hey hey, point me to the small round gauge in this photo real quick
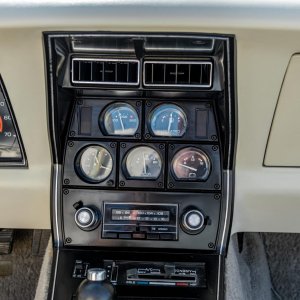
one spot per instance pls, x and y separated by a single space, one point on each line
168 120
191 164
95 164
120 119
143 162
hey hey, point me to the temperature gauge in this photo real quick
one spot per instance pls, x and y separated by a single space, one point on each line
191 164
168 120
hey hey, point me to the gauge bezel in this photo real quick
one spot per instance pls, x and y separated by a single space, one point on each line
79 170
71 176
213 182
101 119
125 181
152 115
195 149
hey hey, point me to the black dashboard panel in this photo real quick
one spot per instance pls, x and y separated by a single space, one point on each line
143 139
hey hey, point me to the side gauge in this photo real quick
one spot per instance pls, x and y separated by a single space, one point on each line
119 119
191 164
143 162
168 120
94 164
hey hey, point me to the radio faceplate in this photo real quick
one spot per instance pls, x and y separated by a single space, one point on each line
129 233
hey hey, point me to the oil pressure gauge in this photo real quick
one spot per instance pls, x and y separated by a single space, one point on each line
191 164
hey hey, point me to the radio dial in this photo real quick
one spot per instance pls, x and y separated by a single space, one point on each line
87 218
193 221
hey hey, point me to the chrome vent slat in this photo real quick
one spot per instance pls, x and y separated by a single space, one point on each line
97 71
178 73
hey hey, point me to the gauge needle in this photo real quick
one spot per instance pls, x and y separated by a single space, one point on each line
170 121
190 168
144 163
121 120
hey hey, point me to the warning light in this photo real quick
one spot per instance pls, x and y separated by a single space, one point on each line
1 124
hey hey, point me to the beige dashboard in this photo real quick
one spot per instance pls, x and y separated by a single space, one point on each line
267 34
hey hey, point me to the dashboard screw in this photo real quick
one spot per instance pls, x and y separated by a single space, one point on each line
147 136
71 144
138 103
172 147
161 146
216 186
211 245
68 240
160 184
66 192
215 148
110 182
72 133
113 145
123 145
122 183
79 102
214 137
137 136
171 185
67 181
217 196
148 103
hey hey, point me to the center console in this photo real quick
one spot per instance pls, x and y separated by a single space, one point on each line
143 132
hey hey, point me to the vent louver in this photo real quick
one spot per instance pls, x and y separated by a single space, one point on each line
105 71
178 74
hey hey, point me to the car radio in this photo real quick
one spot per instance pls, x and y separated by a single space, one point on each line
139 221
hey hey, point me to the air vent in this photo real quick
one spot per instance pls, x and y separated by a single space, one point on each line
178 74
105 71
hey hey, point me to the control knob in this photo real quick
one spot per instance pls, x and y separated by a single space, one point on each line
192 221
87 218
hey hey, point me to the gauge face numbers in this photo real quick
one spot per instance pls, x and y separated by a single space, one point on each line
120 119
143 163
95 164
168 120
191 164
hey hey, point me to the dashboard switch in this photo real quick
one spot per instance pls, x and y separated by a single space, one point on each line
87 218
193 221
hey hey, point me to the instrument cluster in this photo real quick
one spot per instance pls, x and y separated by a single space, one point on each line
143 144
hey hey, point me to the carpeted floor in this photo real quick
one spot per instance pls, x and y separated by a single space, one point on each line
283 254
25 265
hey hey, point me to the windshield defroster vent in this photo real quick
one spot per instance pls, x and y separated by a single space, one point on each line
178 74
97 71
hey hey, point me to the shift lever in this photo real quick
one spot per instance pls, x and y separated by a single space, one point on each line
95 287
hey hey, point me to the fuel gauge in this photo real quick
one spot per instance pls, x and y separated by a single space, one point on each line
191 164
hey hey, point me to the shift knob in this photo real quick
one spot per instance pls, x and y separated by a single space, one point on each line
95 287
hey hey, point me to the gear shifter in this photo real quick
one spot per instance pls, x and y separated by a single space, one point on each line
95 287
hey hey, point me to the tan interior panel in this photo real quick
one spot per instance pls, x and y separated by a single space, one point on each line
284 142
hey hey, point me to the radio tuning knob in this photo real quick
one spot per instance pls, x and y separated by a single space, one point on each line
87 218
192 221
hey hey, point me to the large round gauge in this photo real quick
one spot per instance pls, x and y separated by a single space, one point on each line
168 120
95 164
143 162
191 164
119 119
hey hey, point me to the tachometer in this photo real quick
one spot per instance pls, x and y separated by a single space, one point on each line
191 164
95 164
168 120
143 162
120 119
